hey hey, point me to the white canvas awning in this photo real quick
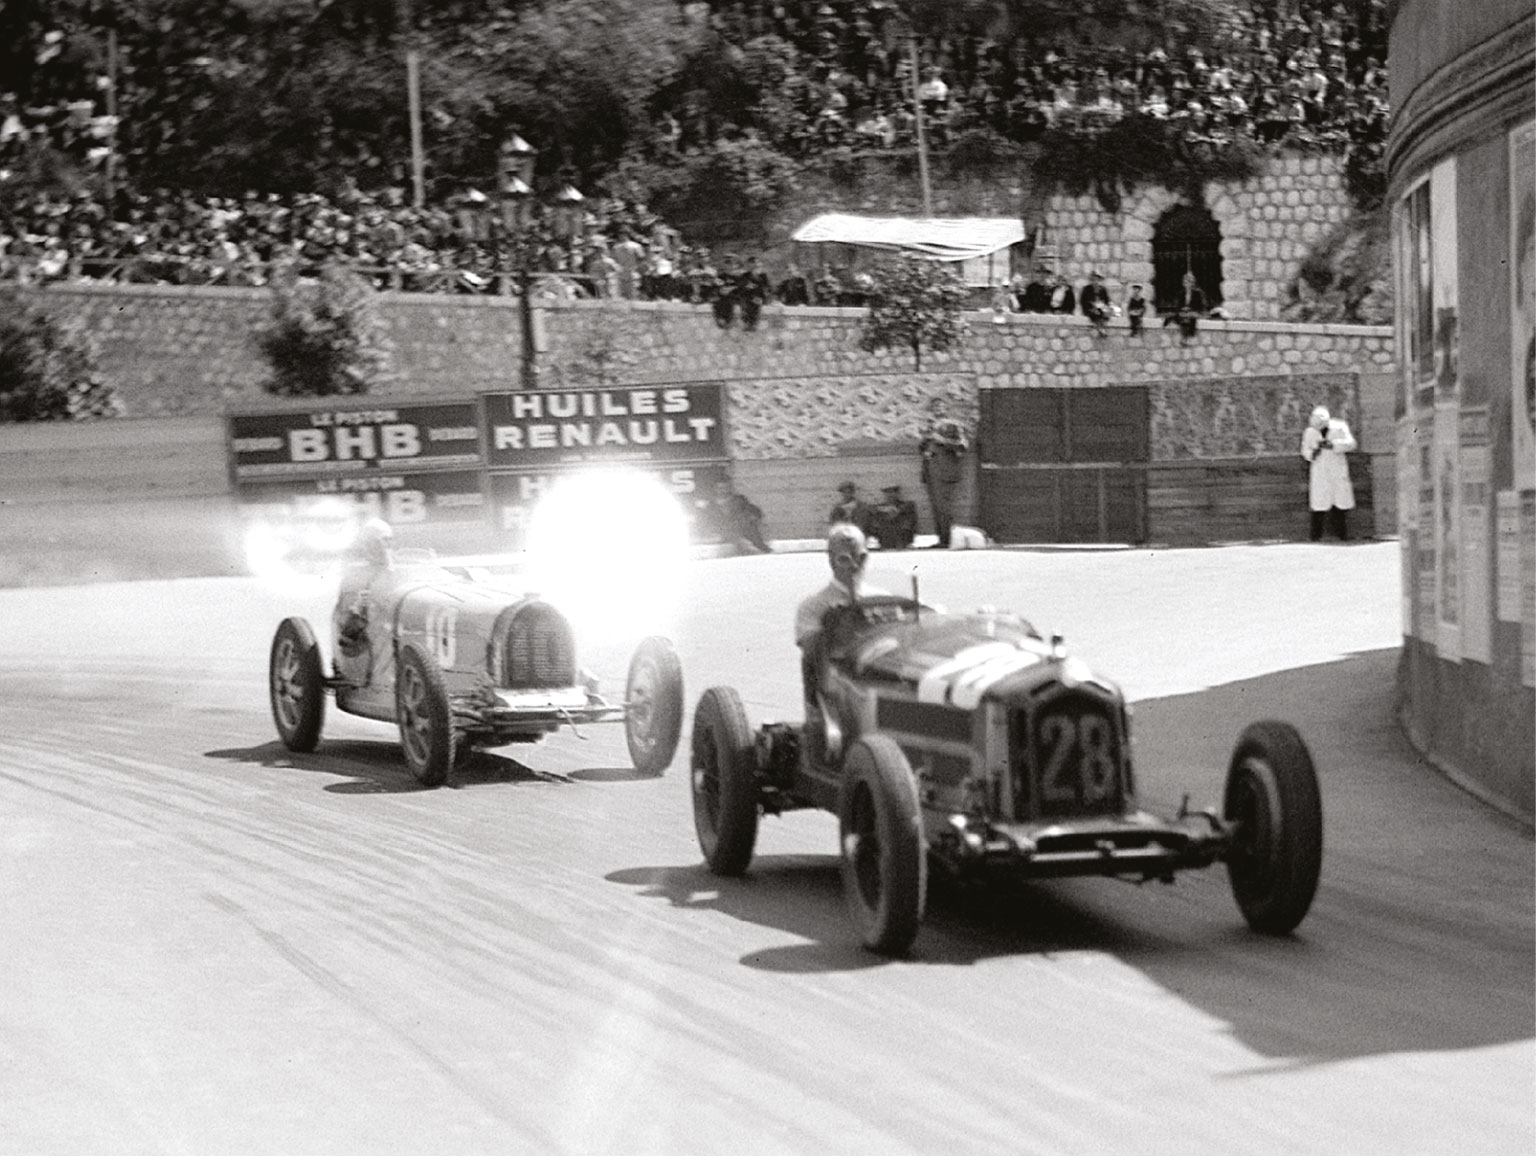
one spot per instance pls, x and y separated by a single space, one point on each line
942 238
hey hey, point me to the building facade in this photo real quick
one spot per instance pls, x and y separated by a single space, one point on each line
1462 164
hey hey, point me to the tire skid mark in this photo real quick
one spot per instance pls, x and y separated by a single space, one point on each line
489 1100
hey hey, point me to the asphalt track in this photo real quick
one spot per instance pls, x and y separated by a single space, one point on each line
209 945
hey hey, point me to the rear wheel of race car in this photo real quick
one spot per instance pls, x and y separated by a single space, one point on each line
426 721
885 860
724 778
296 685
653 716
1272 798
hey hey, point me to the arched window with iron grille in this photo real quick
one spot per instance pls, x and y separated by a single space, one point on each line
1186 240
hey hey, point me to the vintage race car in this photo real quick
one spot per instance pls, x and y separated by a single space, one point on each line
461 660
968 743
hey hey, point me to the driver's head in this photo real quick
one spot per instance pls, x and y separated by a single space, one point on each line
847 551
373 542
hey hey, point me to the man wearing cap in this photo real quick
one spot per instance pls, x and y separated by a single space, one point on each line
850 508
943 449
895 520
1331 495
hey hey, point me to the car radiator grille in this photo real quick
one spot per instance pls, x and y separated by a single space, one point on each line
1068 756
539 651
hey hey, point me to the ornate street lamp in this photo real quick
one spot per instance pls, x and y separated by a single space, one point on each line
514 174
570 212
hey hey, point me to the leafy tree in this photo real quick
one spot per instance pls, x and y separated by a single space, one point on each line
916 304
324 337
48 370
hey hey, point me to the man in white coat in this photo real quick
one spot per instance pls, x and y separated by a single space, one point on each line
1324 443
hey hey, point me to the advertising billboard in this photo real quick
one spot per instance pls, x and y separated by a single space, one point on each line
545 429
353 439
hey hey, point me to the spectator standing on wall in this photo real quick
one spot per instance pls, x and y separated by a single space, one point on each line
629 256
1331 495
1095 300
1037 295
724 303
943 449
752 290
1136 310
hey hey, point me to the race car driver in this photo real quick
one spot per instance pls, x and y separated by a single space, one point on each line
847 554
368 558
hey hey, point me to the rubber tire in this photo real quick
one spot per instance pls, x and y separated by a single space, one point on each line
655 682
885 856
1272 794
296 685
724 782
425 719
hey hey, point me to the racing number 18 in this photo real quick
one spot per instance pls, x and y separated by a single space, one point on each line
1079 754
442 622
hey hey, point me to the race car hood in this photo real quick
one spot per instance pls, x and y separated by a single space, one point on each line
959 659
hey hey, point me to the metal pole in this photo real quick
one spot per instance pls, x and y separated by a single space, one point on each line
922 132
418 165
110 170
525 312
413 106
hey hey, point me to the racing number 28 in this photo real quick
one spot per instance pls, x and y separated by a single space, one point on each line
1079 755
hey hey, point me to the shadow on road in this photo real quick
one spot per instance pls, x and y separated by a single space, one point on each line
379 767
1422 937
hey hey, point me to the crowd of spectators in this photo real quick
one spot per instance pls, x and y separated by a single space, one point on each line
1297 73
1302 73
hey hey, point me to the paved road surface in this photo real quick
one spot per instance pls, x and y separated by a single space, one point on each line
209 945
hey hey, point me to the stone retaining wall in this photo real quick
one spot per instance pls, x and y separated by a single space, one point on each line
188 351
1268 226
808 406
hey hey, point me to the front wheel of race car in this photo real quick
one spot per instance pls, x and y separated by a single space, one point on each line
723 770
885 859
424 716
1273 800
296 685
653 696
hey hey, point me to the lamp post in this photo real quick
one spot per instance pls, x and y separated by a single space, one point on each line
514 174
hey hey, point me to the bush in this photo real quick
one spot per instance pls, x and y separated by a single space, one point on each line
325 337
47 369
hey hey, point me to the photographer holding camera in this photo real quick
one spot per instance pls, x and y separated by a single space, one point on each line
1331 494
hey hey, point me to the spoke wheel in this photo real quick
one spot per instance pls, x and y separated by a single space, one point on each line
653 716
1273 801
296 685
426 724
